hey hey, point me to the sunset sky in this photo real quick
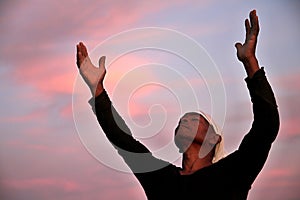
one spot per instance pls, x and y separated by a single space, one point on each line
42 150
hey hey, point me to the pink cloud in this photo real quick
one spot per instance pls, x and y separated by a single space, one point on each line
66 111
36 58
122 66
286 91
283 180
81 19
287 82
37 115
289 128
47 75
43 183
37 141
38 43
35 53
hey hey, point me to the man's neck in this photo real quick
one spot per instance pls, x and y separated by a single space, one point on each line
191 162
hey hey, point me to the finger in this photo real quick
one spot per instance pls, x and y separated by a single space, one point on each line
238 46
83 49
254 22
78 55
247 27
102 62
77 49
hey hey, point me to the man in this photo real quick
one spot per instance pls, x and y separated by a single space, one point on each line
202 175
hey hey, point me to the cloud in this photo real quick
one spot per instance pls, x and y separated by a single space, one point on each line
65 185
278 173
39 48
42 188
286 88
41 156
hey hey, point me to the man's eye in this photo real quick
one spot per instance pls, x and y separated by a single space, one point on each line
195 119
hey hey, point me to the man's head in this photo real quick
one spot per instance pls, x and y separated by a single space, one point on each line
198 129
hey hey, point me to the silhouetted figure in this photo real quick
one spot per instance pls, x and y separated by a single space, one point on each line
206 177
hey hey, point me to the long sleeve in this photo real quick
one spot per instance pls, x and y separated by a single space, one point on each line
134 153
265 125
114 126
255 147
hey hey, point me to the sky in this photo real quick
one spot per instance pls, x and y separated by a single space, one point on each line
45 147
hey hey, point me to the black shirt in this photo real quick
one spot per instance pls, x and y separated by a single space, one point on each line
230 178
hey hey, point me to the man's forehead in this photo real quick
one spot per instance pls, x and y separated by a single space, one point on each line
191 114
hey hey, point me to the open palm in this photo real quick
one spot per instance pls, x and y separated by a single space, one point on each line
246 51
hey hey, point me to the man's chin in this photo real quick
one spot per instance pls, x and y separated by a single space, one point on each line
183 143
181 150
183 147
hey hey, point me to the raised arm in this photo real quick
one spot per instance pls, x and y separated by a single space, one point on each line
262 97
256 145
134 153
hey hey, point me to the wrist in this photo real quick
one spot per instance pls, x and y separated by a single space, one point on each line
249 60
251 66
98 91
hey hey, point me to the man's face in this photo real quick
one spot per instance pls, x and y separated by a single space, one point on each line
189 130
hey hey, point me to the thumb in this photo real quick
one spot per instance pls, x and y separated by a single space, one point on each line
102 62
238 46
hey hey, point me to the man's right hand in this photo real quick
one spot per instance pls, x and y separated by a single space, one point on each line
92 75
